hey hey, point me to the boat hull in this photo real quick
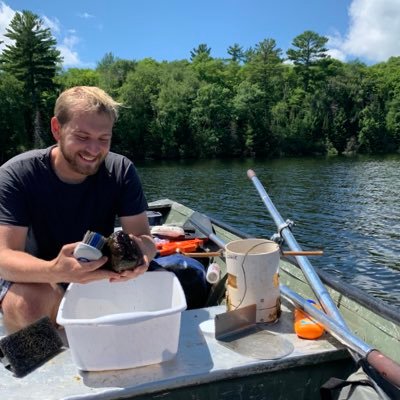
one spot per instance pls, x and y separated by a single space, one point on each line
204 368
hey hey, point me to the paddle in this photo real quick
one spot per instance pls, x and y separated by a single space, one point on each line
311 276
203 224
376 359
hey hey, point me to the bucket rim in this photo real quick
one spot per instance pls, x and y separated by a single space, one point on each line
256 242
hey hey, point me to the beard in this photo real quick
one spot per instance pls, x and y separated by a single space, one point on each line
77 164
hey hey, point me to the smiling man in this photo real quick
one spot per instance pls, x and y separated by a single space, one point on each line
50 197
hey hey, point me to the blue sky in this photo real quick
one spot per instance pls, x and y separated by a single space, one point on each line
169 29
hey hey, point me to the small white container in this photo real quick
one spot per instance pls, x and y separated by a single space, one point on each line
213 273
123 324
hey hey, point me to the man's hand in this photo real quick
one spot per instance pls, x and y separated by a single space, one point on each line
140 269
66 268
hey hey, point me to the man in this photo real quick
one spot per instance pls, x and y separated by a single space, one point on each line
50 197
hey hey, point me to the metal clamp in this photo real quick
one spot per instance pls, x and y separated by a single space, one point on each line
288 224
277 237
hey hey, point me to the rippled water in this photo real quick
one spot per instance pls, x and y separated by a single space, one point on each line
349 207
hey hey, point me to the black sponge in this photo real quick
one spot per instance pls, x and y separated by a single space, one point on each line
24 350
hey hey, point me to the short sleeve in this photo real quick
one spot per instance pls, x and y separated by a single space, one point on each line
14 209
133 200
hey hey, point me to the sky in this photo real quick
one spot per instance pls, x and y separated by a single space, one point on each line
85 30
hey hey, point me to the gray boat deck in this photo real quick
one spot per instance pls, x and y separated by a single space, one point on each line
200 359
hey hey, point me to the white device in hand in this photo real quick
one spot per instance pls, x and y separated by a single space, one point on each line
90 247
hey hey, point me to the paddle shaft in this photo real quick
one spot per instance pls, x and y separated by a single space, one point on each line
309 272
387 368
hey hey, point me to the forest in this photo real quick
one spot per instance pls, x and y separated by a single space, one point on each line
257 102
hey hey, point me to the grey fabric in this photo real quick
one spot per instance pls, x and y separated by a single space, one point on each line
358 386
361 392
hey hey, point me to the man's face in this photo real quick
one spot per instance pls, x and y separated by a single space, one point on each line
84 142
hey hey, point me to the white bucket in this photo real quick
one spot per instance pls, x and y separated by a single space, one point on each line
253 277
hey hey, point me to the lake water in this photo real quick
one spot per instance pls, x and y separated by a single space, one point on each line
348 207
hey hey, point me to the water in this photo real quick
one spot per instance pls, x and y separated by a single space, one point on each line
348 207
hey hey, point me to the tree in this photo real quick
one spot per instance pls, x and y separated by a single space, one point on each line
393 118
77 77
263 70
32 58
11 117
134 133
236 52
202 51
178 88
372 136
112 72
309 51
210 120
264 66
343 96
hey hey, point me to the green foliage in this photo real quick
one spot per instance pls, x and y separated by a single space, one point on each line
202 51
309 49
32 59
393 118
178 89
210 120
251 104
112 73
237 53
77 77
12 132
308 54
134 133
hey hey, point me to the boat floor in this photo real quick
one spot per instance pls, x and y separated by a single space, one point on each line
200 359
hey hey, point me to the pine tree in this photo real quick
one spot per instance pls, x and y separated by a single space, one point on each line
33 59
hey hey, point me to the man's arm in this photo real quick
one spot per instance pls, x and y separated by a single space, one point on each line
18 266
15 264
138 225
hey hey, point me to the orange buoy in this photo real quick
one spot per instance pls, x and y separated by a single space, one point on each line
305 326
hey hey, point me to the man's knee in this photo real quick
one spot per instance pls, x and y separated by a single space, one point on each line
26 303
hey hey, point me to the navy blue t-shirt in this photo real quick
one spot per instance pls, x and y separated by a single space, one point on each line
58 213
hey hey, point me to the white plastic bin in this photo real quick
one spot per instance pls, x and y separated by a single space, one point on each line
125 324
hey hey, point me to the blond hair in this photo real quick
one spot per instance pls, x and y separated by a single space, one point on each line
85 99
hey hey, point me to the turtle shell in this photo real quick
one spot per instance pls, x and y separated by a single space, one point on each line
123 252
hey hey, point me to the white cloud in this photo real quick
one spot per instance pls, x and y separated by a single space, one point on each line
71 41
85 15
374 29
6 15
52 24
337 54
70 55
